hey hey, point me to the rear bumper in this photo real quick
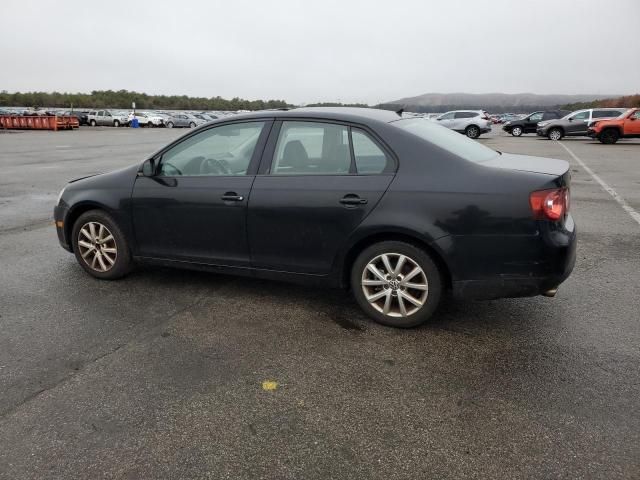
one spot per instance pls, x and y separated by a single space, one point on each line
519 266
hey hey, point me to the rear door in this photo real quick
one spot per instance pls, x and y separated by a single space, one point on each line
318 181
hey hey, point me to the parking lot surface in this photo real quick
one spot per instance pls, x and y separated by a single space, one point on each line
161 374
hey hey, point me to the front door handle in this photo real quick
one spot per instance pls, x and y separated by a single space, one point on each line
351 200
232 197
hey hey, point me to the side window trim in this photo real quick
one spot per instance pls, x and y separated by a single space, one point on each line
269 149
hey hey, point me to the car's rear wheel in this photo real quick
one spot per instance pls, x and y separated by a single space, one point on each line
472 131
169 124
516 131
100 246
396 284
609 136
555 134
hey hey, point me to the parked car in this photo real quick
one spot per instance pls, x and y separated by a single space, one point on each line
143 119
155 119
399 210
183 120
107 117
81 115
576 123
472 123
626 125
529 124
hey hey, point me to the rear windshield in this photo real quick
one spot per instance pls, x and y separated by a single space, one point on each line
451 141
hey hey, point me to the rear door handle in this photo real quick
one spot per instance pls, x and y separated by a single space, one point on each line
353 200
232 197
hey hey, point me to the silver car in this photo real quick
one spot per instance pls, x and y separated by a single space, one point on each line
472 123
107 117
183 120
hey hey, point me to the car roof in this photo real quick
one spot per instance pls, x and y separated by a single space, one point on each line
348 114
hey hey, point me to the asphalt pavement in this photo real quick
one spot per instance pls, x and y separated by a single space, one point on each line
179 374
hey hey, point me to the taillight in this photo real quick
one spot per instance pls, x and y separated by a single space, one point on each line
550 204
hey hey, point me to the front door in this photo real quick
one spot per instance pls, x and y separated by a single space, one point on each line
531 122
577 124
313 194
194 207
632 124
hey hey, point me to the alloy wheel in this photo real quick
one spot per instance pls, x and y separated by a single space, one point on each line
516 131
473 132
555 134
97 246
395 285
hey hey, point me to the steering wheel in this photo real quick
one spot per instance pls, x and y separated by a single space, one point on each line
215 166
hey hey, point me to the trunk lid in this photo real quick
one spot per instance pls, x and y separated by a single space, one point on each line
527 163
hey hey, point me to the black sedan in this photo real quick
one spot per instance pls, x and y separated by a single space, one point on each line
400 210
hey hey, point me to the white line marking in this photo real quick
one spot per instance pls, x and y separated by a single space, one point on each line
623 203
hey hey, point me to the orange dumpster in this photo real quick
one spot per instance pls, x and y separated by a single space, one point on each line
39 122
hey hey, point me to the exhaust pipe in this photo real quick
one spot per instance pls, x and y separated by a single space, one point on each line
551 292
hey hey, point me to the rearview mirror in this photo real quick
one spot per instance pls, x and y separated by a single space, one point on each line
148 168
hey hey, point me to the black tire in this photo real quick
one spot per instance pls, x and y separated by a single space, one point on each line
116 123
472 131
609 136
92 123
192 125
414 257
123 262
555 134
169 124
516 131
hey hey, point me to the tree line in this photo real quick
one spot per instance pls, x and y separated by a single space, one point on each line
124 98
629 101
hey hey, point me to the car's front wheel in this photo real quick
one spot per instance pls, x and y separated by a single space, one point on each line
116 123
192 125
472 131
516 131
555 134
169 124
609 136
92 123
396 283
100 246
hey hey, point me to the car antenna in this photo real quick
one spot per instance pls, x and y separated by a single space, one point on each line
400 112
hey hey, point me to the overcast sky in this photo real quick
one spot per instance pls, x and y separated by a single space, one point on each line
324 50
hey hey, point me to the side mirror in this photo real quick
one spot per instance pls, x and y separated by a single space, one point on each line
148 168
571 119
438 119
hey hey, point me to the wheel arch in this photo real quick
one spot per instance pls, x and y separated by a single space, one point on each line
74 214
413 239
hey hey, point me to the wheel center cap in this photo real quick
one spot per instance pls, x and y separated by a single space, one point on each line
394 284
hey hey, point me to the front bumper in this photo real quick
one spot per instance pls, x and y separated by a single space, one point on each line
542 131
60 216
592 133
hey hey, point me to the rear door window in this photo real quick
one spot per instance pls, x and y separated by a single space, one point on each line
369 156
606 113
312 148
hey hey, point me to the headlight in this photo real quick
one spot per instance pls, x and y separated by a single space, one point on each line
543 124
60 195
508 123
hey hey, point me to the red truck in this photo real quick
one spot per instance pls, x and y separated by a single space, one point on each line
626 125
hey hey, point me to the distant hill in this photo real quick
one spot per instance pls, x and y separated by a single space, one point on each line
492 102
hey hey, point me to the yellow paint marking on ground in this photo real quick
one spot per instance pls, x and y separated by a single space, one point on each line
269 385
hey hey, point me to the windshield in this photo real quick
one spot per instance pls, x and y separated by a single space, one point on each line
446 139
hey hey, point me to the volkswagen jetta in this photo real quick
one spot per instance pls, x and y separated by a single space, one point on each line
399 210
